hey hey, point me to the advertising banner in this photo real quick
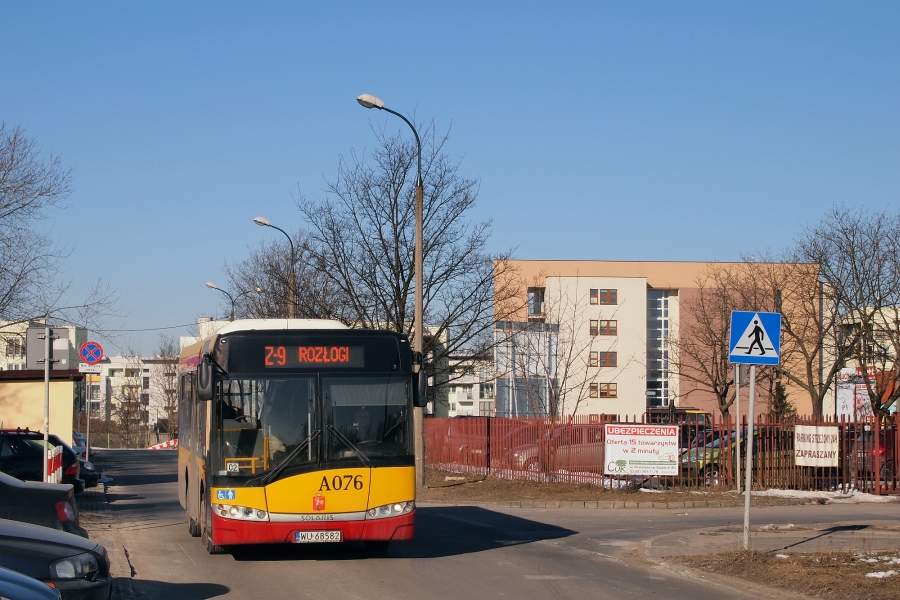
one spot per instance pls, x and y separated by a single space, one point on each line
641 449
816 446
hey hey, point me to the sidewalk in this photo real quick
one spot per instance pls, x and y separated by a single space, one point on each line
97 517
847 536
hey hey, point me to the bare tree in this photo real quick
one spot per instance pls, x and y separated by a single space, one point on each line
268 269
699 345
859 254
30 285
166 377
361 239
130 401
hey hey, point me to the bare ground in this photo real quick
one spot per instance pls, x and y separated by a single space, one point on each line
833 575
443 486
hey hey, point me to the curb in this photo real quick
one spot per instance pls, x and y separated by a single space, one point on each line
606 504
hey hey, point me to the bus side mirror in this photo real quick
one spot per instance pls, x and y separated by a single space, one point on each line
420 383
206 379
420 389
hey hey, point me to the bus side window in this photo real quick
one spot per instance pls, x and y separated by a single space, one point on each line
184 412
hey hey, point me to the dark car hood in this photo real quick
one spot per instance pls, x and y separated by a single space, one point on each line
53 543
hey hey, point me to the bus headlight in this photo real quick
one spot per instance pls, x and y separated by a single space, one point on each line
242 513
391 510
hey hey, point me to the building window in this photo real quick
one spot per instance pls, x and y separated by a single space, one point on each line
132 372
535 301
486 391
593 391
594 326
593 358
146 383
608 297
608 328
609 390
594 297
15 347
608 359
114 373
145 399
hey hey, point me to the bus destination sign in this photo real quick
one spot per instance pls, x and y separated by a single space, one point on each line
314 357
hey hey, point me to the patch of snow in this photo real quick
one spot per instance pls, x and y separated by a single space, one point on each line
782 556
881 574
851 497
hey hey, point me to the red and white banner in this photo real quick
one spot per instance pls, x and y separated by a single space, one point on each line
169 444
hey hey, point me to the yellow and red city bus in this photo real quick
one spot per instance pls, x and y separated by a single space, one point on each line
297 430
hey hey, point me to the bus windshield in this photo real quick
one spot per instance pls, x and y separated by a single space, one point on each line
270 426
366 417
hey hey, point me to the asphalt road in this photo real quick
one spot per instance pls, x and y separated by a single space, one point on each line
459 552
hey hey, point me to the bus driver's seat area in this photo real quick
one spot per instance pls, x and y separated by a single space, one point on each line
243 442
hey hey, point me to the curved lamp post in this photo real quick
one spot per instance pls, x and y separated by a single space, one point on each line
263 222
370 101
213 286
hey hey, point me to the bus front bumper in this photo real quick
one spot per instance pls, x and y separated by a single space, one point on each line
230 532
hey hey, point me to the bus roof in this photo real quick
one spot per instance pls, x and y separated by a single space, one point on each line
191 353
279 325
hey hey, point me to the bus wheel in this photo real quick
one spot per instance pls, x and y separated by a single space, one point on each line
376 545
193 528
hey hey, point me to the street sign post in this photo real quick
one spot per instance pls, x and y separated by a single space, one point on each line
91 353
755 340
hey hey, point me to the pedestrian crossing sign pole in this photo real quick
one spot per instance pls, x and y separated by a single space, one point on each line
755 340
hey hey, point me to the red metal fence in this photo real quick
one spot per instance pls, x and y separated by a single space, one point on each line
571 450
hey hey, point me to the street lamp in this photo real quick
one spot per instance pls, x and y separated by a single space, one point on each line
213 286
233 299
262 222
370 101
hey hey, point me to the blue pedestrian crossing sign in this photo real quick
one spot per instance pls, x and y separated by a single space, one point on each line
755 338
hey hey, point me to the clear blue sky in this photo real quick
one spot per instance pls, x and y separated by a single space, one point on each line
598 130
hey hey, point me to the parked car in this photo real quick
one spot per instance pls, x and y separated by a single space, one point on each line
711 459
862 453
21 587
78 439
77 567
89 473
47 504
566 447
22 456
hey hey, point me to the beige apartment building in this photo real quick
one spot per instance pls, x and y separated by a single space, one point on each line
595 337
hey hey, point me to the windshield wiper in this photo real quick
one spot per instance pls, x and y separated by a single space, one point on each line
274 473
349 444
